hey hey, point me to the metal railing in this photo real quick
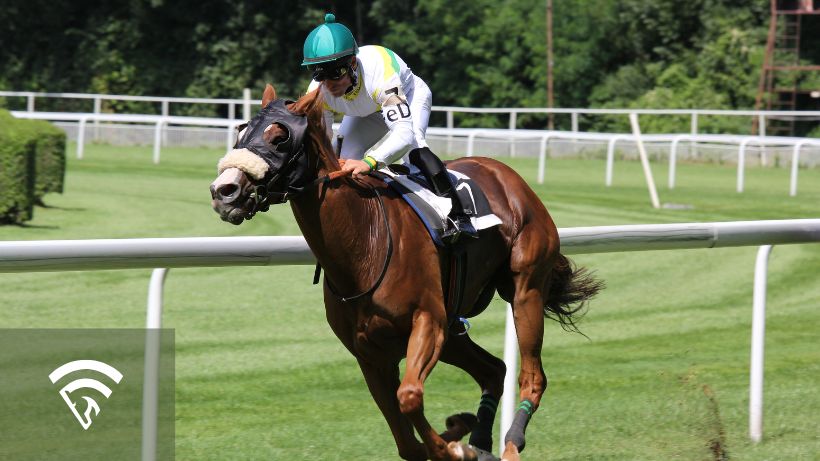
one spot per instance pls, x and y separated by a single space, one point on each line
246 102
470 135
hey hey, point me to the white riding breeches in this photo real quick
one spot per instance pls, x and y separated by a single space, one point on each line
362 133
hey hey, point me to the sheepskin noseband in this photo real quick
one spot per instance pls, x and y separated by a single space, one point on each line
245 160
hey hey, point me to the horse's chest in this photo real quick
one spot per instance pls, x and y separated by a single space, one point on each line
377 339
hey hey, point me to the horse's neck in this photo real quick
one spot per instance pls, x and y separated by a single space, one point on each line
340 226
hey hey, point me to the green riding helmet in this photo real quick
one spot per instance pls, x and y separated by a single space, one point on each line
328 42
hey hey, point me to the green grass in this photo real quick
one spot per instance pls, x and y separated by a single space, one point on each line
259 375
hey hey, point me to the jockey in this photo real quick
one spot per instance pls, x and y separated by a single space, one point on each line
377 94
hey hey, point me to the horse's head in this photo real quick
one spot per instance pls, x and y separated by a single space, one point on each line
272 160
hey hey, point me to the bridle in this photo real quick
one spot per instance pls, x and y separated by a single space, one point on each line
286 158
288 161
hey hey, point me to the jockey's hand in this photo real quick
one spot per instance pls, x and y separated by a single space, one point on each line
356 167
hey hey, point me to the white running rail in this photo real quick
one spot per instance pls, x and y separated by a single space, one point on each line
67 255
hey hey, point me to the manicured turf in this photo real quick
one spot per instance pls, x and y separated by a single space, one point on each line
663 375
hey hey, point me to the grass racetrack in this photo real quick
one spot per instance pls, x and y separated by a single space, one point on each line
259 375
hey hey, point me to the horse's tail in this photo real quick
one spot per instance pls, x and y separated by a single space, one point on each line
570 288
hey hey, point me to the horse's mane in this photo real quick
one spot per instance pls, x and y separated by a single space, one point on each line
311 105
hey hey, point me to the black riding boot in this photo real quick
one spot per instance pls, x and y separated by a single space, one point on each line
442 185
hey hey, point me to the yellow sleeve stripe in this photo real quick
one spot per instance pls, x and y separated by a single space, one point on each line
325 106
391 65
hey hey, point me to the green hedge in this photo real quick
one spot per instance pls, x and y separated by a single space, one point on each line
32 163
50 164
17 172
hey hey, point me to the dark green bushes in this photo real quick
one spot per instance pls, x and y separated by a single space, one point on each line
32 163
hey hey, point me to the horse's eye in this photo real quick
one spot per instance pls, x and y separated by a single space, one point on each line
276 134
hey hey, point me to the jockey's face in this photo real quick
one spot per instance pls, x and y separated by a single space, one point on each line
338 87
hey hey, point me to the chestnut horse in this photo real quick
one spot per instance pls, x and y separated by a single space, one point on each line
384 285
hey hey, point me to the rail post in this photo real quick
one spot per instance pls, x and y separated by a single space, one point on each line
542 157
673 155
693 128
158 138
97 112
796 165
246 105
758 343
741 161
150 385
30 102
510 379
574 122
81 137
610 157
512 124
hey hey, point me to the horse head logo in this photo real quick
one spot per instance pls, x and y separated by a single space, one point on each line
85 383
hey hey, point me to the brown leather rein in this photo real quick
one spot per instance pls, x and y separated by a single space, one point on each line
331 177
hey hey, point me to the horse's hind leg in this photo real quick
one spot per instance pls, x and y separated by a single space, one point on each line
383 382
488 371
531 260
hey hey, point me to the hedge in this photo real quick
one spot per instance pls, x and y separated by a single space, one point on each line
32 163
50 164
17 172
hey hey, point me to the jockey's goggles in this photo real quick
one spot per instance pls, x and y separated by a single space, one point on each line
321 74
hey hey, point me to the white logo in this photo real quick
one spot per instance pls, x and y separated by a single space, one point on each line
70 367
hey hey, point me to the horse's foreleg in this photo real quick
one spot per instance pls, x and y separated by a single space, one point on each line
423 350
488 371
383 383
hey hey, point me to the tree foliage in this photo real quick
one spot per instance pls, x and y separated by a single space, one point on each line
608 53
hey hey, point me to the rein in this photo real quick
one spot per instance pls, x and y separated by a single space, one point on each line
326 179
386 258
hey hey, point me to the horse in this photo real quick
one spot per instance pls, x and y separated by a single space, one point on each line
385 282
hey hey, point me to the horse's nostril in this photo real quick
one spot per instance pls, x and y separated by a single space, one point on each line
227 190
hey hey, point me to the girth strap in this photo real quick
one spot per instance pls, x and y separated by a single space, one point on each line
456 278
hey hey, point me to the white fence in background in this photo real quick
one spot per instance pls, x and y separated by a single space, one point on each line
544 140
246 103
66 255
159 122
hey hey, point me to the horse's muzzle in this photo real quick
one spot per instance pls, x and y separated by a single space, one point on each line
231 198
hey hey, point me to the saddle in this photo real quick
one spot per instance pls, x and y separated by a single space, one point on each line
432 209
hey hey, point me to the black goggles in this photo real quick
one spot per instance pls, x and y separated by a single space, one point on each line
329 73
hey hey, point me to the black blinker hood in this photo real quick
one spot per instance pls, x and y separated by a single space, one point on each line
285 159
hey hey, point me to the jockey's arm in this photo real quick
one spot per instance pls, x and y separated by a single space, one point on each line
396 113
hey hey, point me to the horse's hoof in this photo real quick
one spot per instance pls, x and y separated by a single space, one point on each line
458 426
462 452
465 420
510 453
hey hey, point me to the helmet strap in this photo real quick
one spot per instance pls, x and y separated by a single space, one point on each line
354 77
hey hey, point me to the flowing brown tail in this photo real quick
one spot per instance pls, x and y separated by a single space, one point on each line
570 288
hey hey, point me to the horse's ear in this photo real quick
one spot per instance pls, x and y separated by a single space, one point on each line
268 95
